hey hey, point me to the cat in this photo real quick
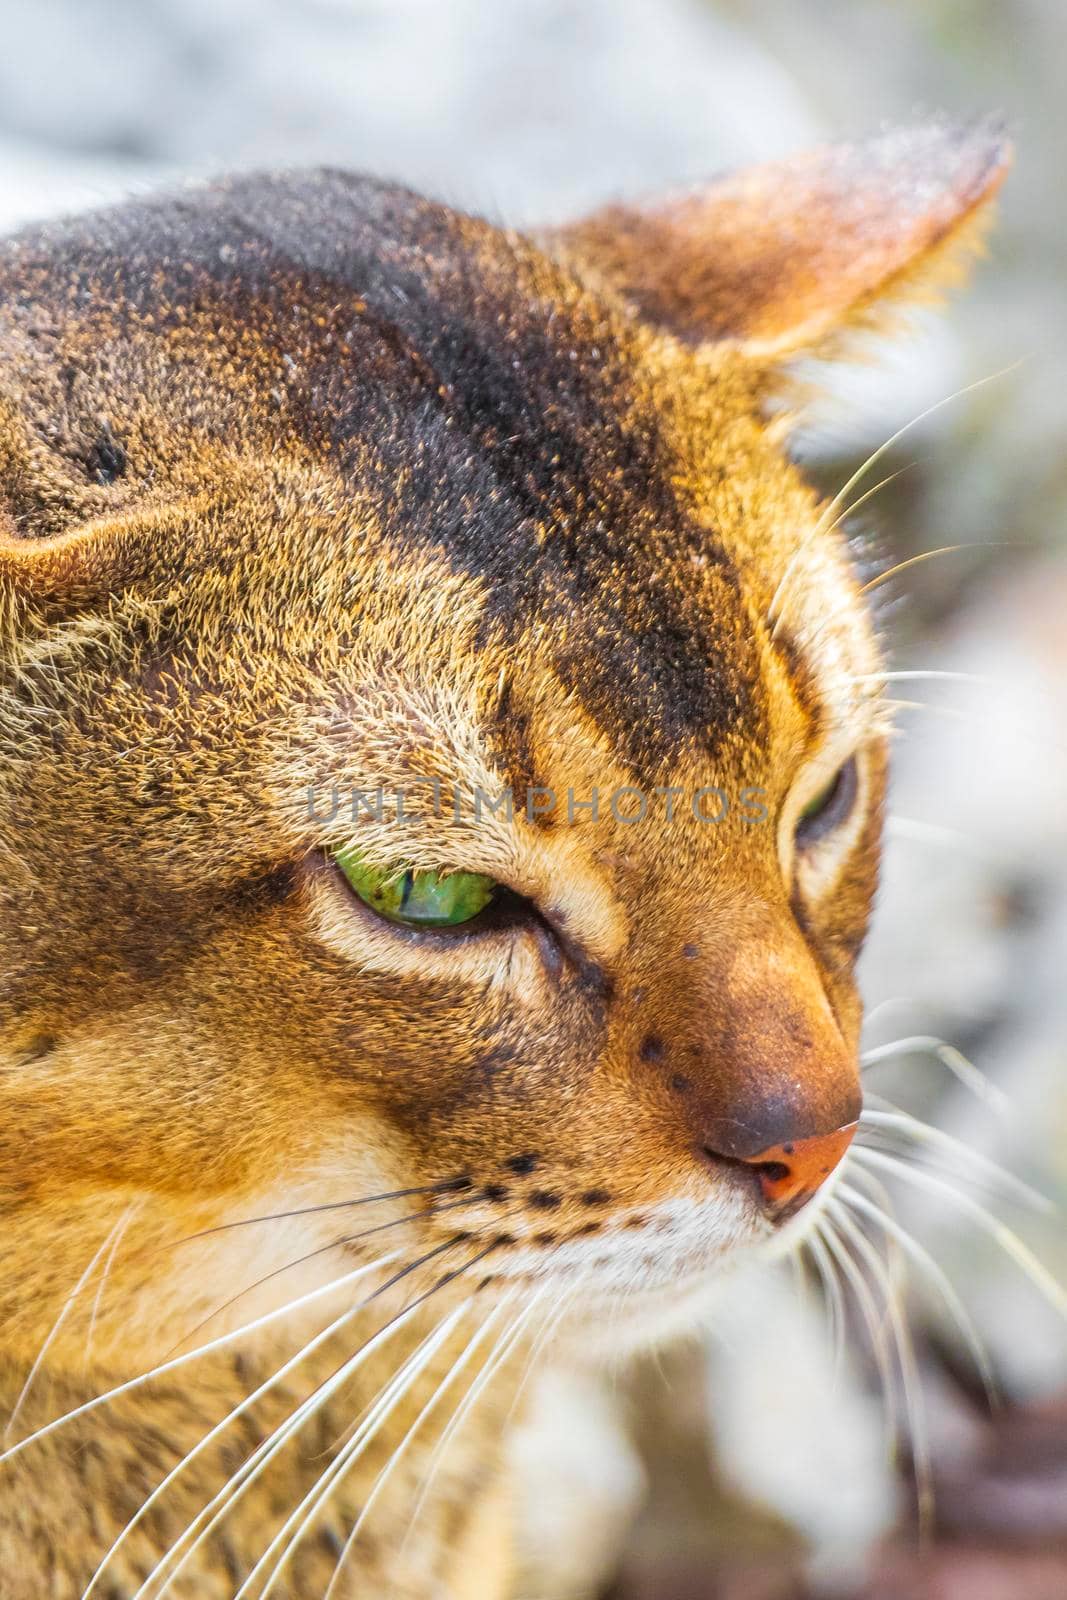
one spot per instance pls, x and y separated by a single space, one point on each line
388 601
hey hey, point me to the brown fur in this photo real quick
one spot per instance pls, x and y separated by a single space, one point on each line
307 481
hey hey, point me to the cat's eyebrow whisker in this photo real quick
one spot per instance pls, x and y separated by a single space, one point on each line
112 1236
954 713
901 566
999 1232
928 675
835 505
916 674
775 611
919 1044
191 1355
938 833
972 718
869 494
852 1198
883 1114
929 555
246 1474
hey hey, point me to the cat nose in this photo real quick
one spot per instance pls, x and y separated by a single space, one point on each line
790 1174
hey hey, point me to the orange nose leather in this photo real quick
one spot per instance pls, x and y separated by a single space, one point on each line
789 1174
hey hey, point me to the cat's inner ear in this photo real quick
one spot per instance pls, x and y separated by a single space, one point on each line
781 257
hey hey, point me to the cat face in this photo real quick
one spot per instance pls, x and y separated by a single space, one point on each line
345 529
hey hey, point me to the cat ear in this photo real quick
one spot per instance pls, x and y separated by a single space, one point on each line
780 258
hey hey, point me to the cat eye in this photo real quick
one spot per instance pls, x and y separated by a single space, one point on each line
418 899
829 808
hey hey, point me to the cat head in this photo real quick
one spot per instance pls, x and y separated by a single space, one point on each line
440 753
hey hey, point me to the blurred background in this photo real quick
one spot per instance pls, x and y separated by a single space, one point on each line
753 1464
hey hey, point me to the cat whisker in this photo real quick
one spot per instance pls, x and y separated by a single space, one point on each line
113 1234
922 675
922 1160
236 1485
884 1115
444 1186
852 1198
246 1474
902 566
775 609
208 1438
890 1003
910 1384
868 1310
303 1515
927 555
499 1354
826 1268
311 1255
938 833
869 494
834 506
919 1044
124 1223
953 713
191 1355
971 718
548 1328
383 1476
365 1431
999 1232
213 1433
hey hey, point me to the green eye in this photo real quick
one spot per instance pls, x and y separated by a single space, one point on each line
417 899
820 801
831 806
